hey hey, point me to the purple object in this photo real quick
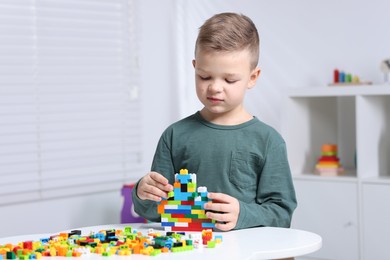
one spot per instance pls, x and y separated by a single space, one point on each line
128 214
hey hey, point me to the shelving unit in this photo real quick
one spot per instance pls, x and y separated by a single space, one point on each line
357 119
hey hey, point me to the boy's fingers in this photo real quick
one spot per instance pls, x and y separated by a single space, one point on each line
158 178
219 207
151 187
219 197
162 187
157 189
160 181
150 196
152 193
224 222
224 226
219 217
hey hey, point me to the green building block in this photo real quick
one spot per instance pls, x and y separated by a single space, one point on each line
210 244
174 202
10 255
128 229
155 252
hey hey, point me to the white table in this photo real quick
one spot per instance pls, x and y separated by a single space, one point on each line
253 243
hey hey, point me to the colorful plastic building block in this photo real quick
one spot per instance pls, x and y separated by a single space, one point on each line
108 243
184 209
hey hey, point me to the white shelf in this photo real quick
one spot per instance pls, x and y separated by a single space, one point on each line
377 180
349 176
357 119
332 91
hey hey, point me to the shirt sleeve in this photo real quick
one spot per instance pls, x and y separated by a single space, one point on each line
162 163
276 200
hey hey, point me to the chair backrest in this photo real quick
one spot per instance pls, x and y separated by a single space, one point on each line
128 215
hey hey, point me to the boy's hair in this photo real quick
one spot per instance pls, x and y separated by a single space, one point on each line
229 32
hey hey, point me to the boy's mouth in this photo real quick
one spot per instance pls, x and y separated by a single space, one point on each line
214 99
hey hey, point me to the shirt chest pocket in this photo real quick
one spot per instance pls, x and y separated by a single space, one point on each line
245 168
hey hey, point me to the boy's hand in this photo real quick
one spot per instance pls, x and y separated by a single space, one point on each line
153 186
228 209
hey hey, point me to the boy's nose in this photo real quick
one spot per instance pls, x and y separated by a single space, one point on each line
215 86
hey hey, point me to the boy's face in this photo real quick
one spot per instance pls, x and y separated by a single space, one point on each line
222 79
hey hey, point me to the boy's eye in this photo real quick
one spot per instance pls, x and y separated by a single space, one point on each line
204 78
230 81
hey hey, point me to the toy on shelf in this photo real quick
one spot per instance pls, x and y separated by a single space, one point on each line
329 164
385 68
184 208
340 78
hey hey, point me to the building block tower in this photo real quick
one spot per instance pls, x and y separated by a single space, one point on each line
184 208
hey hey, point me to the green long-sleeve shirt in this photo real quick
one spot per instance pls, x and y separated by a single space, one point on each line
247 161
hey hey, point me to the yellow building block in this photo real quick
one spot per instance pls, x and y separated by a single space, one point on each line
183 171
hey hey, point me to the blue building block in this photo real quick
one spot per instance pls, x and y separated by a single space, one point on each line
177 211
167 224
208 225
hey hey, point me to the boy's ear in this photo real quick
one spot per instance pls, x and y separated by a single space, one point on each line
193 62
254 76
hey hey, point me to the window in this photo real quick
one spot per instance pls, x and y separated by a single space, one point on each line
70 120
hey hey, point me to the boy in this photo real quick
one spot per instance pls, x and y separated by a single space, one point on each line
241 161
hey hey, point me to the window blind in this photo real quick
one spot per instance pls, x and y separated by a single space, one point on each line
70 119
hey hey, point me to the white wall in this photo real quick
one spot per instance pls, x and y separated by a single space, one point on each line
302 42
156 20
